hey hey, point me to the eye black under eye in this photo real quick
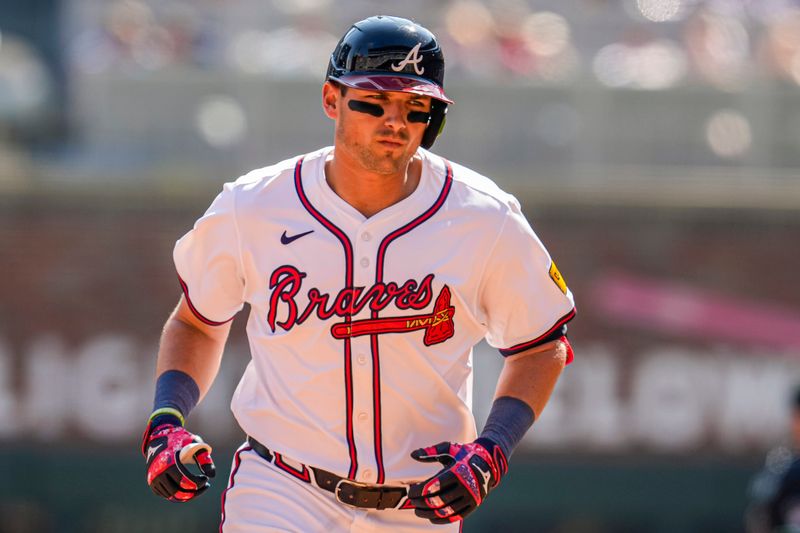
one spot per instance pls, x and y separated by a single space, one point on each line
366 107
419 116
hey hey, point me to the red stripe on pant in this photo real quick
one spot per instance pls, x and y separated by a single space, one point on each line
237 459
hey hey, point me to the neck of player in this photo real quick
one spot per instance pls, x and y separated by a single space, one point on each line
370 192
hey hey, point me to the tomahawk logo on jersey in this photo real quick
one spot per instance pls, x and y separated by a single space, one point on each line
359 321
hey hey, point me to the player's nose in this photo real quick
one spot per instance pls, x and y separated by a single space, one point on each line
395 115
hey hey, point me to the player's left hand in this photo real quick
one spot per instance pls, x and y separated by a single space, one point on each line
470 472
168 450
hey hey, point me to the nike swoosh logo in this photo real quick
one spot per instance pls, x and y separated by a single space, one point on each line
285 239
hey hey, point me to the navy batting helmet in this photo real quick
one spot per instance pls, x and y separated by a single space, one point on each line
393 54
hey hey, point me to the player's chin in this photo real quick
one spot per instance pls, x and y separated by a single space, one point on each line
390 160
392 151
404 153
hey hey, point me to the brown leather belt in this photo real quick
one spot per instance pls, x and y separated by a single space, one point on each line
346 491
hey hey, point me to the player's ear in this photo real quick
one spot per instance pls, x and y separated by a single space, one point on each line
331 96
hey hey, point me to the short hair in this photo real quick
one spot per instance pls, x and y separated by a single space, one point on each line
342 88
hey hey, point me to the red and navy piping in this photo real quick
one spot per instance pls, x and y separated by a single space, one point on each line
519 348
348 281
197 313
237 462
379 268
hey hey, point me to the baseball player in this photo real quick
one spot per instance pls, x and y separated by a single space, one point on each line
774 492
372 268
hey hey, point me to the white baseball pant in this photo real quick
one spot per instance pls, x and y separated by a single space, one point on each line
260 498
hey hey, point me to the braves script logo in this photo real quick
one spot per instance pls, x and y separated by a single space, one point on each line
412 58
286 282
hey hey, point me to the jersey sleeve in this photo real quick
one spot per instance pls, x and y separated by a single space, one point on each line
523 296
208 262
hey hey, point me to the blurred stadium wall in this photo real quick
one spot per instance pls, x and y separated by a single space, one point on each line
654 144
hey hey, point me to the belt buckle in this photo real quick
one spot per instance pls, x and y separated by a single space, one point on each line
369 496
337 491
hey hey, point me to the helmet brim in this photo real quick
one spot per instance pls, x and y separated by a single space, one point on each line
400 84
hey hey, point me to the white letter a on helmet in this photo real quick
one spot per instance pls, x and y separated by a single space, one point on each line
412 58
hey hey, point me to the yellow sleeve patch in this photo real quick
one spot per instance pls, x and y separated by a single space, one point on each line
557 277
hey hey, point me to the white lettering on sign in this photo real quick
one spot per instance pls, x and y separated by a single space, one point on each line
103 389
601 419
668 413
752 403
669 400
109 399
49 386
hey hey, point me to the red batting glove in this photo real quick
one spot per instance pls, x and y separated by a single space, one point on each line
471 471
167 450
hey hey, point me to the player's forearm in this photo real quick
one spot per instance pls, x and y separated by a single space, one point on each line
531 376
192 348
525 385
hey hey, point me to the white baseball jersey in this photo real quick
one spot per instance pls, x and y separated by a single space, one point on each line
361 329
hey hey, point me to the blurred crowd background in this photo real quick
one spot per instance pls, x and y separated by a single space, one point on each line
654 145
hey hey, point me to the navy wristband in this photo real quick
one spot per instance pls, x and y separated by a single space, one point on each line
176 390
508 421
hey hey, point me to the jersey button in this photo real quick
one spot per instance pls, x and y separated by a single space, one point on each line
362 359
363 417
366 236
364 262
368 476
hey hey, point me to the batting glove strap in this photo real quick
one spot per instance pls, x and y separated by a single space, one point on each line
500 462
168 450
470 472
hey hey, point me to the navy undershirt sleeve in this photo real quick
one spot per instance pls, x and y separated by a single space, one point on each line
177 390
508 421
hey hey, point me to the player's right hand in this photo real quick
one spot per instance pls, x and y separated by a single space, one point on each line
168 450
